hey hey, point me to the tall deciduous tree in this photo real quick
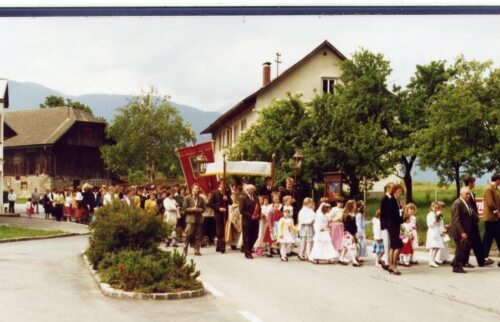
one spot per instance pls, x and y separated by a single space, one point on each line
363 109
280 129
463 123
147 133
56 101
413 104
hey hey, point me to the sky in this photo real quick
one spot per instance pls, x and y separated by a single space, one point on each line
214 62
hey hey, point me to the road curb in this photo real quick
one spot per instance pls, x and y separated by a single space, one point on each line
12 240
107 290
10 215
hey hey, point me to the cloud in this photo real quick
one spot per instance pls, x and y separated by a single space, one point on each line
209 62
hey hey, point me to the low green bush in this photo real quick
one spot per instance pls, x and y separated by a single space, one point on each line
149 271
118 226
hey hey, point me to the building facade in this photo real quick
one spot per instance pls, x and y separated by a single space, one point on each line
314 74
52 147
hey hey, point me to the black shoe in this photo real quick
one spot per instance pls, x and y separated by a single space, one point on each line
233 247
385 267
223 251
458 270
249 256
415 262
467 265
343 263
269 255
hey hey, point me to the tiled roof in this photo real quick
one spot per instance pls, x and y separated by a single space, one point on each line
43 126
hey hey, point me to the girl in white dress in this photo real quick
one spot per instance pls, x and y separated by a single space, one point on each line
322 248
411 210
434 240
361 223
286 234
259 245
443 253
306 229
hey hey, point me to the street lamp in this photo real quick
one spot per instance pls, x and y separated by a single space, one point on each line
297 164
297 159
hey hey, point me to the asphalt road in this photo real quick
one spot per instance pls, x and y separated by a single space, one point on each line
46 280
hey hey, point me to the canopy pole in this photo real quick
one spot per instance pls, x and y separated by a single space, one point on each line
273 169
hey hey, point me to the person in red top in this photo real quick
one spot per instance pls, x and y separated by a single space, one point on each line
273 218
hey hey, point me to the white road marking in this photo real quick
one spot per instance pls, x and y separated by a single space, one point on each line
215 292
249 316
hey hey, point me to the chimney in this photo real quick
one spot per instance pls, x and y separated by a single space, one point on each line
266 73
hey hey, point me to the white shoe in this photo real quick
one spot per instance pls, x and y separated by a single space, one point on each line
434 265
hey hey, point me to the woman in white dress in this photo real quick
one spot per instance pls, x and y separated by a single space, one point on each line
171 215
434 240
322 248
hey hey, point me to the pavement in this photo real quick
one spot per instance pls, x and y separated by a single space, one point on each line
46 280
38 221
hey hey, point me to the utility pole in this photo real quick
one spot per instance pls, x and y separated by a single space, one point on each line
4 103
278 62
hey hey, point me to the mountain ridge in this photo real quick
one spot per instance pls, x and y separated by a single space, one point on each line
28 95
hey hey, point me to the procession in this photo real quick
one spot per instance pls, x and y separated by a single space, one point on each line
270 221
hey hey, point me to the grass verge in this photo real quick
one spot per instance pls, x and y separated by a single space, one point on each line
7 232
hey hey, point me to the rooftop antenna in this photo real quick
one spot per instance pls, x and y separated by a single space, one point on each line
69 105
278 62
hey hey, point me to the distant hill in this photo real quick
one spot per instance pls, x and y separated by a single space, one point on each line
25 95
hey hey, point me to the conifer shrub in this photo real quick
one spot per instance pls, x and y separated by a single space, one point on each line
149 271
118 226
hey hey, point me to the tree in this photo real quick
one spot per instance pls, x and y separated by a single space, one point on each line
56 101
463 128
357 118
280 129
414 101
147 132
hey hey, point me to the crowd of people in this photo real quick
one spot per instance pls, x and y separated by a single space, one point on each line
269 221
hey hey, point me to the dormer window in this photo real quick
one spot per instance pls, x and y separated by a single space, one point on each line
328 84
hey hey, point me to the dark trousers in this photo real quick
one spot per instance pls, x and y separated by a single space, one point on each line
491 232
477 247
194 233
462 250
35 204
250 232
209 228
11 206
220 231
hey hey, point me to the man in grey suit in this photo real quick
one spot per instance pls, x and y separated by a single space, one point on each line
194 206
461 229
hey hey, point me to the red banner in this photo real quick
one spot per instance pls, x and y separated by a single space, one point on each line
191 167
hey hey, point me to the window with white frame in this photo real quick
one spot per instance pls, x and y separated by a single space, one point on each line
328 84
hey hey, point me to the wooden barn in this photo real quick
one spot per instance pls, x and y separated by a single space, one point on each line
52 147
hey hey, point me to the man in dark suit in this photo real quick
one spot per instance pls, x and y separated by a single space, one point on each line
218 202
249 209
475 238
461 229
194 206
267 189
385 210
